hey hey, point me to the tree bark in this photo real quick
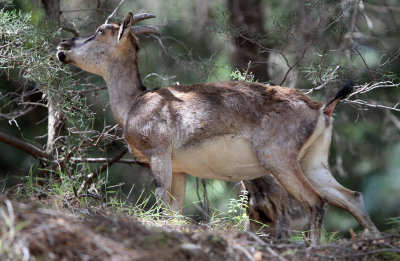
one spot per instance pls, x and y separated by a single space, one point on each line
52 8
55 126
248 16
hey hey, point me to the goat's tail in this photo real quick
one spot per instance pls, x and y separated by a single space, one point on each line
331 105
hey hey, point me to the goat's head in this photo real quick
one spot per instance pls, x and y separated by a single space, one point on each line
110 43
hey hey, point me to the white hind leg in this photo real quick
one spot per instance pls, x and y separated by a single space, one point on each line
315 166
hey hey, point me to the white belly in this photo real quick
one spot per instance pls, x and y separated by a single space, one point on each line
227 158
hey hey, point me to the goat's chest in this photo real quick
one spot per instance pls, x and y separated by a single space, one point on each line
227 158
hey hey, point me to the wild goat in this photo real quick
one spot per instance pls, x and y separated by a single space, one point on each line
226 130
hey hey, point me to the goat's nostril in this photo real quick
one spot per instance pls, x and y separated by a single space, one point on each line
61 56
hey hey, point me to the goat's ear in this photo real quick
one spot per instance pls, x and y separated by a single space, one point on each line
126 25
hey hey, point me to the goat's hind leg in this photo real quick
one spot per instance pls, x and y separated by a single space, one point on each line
315 167
290 175
338 195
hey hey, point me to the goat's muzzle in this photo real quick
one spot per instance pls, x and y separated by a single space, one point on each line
61 56
62 48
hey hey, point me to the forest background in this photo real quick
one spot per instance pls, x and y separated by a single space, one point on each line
60 117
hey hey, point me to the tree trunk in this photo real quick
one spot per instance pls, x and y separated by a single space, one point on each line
248 16
52 8
56 119
269 202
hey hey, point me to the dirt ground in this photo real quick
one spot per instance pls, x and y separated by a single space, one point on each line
32 232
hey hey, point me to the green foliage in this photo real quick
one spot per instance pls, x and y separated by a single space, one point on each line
394 222
28 55
286 21
236 215
329 237
25 47
245 75
237 207
222 25
316 74
326 237
6 3
390 256
27 52
8 250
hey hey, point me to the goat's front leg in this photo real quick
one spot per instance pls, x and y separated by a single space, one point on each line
161 166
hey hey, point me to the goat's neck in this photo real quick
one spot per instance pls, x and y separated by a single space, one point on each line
124 85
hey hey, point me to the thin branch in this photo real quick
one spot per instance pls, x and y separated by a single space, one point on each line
296 63
105 166
159 76
98 160
34 104
329 78
205 195
71 30
202 207
365 63
115 10
66 159
365 103
24 146
361 89
301 56
83 10
336 20
394 119
92 90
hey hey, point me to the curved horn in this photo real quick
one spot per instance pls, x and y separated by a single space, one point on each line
139 17
145 29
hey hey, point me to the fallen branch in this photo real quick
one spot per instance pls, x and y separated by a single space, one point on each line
243 250
24 146
87 195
